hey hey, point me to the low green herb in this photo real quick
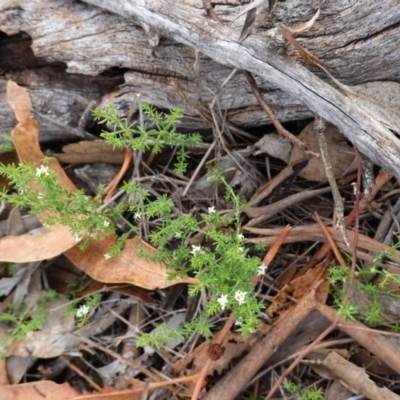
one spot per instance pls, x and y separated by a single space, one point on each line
371 312
223 264
303 394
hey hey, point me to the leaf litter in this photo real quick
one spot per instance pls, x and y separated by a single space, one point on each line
137 296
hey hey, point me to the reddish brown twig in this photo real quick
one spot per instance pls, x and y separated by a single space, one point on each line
210 11
331 242
381 180
278 126
273 250
112 186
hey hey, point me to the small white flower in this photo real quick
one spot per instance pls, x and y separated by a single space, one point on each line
77 238
241 249
240 296
42 170
106 223
211 210
240 236
137 215
107 256
223 301
178 235
195 249
261 269
82 311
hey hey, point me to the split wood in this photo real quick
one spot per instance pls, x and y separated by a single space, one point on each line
219 42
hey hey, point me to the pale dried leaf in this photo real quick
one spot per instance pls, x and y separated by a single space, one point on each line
95 151
250 18
341 154
275 146
56 330
249 7
17 367
304 27
23 249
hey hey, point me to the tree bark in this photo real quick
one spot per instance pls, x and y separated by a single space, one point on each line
356 42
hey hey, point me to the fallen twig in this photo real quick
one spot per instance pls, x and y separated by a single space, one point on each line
278 126
319 128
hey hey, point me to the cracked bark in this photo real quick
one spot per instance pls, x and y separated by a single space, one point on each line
355 42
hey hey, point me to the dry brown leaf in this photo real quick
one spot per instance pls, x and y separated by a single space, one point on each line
59 277
90 152
234 345
23 249
341 154
127 268
38 391
4 378
355 378
371 362
300 286
58 238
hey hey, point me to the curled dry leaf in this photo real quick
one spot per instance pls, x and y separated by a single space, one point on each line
300 286
58 238
127 268
90 151
341 154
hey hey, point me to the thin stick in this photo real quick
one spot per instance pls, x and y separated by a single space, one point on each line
332 243
319 128
356 227
278 126
381 179
203 160
81 373
112 186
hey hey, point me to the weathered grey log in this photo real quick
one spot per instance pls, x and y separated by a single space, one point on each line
85 40
178 21
356 42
